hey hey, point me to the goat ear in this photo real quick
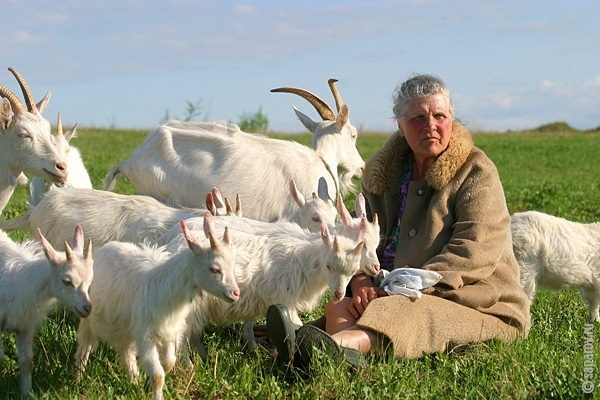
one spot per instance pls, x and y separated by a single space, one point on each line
190 239
343 211
362 231
71 133
51 254
209 226
5 113
325 235
210 204
298 197
78 240
218 200
43 103
306 121
323 189
360 206
343 117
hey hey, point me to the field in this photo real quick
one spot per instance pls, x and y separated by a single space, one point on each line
554 172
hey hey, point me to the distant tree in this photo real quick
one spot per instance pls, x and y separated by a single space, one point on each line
192 112
257 122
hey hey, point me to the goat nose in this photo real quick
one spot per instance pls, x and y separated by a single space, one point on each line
88 308
61 166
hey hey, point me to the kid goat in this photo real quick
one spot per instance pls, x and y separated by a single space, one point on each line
77 175
31 283
554 253
142 297
278 265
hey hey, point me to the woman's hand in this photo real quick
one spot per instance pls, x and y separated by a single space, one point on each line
363 293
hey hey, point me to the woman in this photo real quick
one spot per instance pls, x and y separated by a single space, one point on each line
441 207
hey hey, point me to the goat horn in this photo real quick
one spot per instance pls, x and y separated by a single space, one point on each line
17 105
31 107
322 108
59 129
336 94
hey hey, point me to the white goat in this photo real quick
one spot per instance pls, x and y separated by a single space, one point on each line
554 253
278 266
31 283
142 297
356 228
77 175
26 144
154 224
180 161
314 210
105 216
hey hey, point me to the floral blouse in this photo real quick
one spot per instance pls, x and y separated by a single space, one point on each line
387 260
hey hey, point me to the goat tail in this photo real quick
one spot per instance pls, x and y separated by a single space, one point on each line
111 179
20 222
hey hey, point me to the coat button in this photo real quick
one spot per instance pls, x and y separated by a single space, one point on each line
421 192
412 233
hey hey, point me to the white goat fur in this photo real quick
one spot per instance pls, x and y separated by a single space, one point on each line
30 284
554 253
179 162
77 174
26 143
105 216
142 296
278 266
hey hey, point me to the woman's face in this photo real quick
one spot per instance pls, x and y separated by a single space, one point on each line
427 126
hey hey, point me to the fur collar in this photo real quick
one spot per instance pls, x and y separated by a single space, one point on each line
384 169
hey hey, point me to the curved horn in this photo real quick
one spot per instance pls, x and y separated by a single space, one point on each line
31 107
336 94
17 105
322 108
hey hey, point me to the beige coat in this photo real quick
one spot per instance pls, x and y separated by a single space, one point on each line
456 222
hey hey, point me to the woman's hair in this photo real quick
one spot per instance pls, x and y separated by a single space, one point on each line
418 86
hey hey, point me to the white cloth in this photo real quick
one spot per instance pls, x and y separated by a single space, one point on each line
406 281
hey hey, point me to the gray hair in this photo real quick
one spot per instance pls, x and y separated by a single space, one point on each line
419 86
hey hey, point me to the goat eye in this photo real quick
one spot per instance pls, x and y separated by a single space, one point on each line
68 282
25 135
316 219
215 270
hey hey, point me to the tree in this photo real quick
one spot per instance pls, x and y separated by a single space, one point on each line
192 111
257 122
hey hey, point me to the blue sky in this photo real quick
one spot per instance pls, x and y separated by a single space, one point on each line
509 64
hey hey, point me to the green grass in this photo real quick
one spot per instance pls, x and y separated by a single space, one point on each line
554 172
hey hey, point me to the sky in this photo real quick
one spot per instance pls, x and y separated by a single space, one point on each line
510 65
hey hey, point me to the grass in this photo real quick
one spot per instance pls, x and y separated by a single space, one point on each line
555 172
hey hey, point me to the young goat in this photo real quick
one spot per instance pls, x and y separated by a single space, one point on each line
31 283
554 253
142 297
278 265
77 174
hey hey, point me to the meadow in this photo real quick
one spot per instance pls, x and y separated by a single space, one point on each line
550 170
